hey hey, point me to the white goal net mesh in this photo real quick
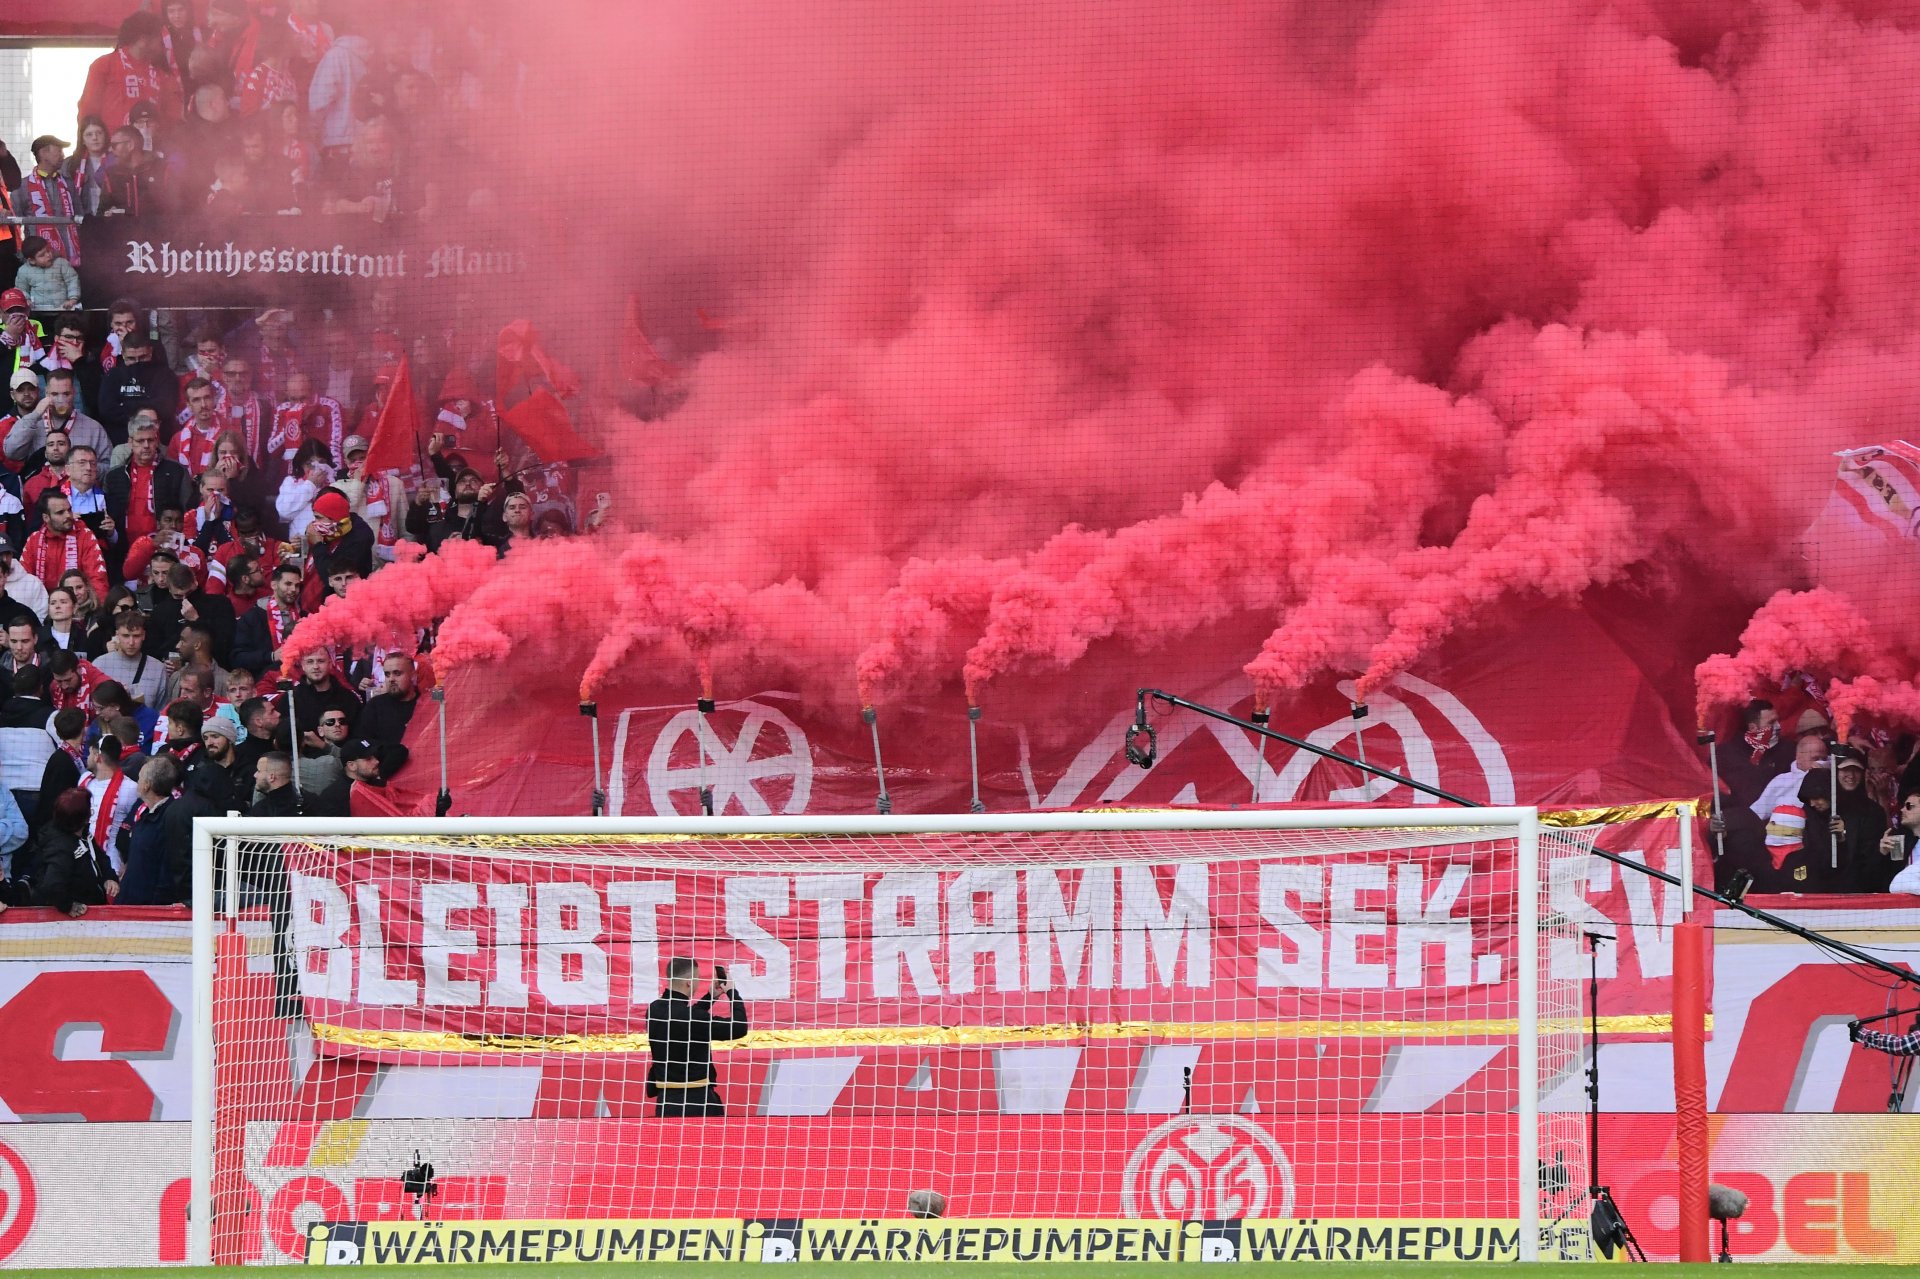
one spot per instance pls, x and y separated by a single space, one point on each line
1318 1036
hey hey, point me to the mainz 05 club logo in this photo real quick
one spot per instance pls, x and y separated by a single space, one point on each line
1207 1167
17 1201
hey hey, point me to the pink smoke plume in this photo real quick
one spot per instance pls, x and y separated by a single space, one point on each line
1060 326
1820 631
390 608
1895 701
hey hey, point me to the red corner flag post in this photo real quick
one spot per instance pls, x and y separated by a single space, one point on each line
1690 1085
395 442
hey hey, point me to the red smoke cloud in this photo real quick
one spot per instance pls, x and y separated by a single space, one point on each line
1105 323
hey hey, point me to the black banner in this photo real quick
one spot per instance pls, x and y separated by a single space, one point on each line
281 260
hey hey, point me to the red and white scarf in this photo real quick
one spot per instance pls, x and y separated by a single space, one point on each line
245 416
51 197
280 621
290 428
70 545
103 819
1761 740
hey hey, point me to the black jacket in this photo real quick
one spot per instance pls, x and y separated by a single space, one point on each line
386 718
170 480
67 869
356 549
253 644
128 388
310 704
60 774
680 1035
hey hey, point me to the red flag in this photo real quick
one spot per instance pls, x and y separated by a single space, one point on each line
638 358
541 421
396 432
521 359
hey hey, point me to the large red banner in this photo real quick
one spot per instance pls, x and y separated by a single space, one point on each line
1068 937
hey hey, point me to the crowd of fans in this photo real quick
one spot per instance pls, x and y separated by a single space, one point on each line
1804 813
178 488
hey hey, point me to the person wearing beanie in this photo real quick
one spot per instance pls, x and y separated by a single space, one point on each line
335 538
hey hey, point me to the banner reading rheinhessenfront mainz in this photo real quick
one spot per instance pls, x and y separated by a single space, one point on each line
177 261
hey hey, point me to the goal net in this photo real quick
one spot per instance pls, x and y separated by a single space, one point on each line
1109 1036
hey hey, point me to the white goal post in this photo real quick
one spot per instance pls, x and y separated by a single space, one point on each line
1028 1014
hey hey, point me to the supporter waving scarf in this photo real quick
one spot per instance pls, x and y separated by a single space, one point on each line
47 195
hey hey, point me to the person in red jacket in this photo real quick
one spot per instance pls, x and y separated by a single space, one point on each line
62 545
132 73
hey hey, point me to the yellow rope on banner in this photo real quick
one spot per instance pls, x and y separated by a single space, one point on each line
447 1041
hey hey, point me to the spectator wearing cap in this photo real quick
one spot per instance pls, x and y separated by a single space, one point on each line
23 341
380 500
219 738
45 193
28 435
335 536
458 511
369 765
48 280
133 72
63 544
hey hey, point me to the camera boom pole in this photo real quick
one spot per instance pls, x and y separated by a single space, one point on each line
1144 757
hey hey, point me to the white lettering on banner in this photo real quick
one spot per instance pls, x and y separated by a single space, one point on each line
1145 923
906 928
1369 935
144 257
507 902
903 934
832 892
375 986
440 943
1083 936
772 977
1280 885
321 917
645 899
1430 924
572 967
997 936
1352 924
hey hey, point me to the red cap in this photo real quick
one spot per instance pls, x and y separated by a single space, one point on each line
14 300
332 505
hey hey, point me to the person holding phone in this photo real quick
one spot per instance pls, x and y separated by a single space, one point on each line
681 1032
